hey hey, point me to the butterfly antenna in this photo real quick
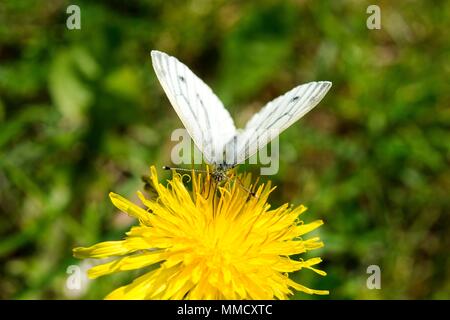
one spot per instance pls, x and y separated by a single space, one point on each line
184 169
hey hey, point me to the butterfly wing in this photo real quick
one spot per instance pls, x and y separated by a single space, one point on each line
274 118
202 113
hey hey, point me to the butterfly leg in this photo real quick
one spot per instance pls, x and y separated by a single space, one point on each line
213 198
253 194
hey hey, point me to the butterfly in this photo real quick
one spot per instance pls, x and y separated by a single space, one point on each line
210 125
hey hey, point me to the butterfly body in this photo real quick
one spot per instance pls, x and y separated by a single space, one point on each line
220 172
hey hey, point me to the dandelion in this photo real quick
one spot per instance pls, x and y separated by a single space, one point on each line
206 245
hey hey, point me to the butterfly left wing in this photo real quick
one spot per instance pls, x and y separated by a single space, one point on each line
274 118
200 110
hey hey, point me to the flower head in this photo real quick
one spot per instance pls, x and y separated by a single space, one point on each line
205 244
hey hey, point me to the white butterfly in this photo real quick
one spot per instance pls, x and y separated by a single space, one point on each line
209 124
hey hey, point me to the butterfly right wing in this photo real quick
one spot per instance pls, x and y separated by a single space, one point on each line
202 113
274 118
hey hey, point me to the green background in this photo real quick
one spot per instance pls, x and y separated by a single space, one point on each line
82 114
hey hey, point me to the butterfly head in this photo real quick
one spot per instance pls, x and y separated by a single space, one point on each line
221 172
219 175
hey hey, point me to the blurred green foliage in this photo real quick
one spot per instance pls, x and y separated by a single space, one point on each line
82 114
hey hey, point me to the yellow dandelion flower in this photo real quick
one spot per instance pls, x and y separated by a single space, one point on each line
227 246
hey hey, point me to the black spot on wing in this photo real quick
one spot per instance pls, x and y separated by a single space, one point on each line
283 103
